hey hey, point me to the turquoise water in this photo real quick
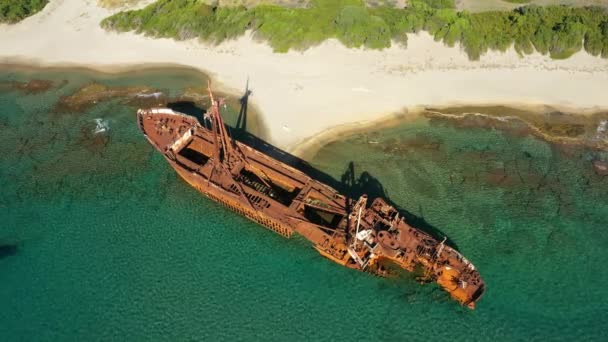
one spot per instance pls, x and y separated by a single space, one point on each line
99 239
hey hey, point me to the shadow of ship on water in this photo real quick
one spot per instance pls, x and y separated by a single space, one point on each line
348 184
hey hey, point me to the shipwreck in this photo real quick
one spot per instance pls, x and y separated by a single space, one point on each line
362 234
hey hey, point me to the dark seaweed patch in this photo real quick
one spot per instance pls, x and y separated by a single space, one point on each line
8 250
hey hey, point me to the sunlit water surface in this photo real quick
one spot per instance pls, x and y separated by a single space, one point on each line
99 239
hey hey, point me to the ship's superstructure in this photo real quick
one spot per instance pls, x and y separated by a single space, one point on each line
353 233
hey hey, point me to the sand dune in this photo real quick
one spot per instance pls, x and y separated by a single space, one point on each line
304 93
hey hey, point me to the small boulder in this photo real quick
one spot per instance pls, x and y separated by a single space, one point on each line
600 167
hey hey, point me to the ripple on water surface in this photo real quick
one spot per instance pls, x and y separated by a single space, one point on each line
99 238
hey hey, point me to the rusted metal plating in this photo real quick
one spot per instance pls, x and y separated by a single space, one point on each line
369 238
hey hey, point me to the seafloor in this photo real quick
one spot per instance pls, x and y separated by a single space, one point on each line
99 239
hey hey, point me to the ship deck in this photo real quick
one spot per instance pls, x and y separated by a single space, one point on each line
286 201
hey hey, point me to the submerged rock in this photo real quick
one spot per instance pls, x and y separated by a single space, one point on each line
97 139
35 86
93 93
600 167
556 127
31 87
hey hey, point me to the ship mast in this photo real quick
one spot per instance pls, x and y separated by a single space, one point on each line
227 150
219 130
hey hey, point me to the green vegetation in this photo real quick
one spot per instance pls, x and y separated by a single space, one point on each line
117 3
555 30
440 3
12 11
518 1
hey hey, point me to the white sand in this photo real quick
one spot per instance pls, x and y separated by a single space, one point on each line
303 94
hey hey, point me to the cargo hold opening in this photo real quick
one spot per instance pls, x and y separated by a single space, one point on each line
275 191
321 217
193 155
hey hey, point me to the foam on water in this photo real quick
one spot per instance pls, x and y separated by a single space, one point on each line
155 95
101 126
602 130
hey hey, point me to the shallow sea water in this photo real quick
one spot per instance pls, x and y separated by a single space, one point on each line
100 240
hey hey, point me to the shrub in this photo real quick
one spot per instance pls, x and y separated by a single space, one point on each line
555 30
12 11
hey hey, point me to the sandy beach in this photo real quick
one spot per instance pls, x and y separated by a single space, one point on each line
302 94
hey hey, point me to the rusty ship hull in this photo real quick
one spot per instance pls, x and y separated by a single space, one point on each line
370 237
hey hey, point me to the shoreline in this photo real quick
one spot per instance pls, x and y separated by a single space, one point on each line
309 147
304 95
28 65
31 66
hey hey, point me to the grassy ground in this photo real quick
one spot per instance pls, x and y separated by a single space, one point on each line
469 5
503 5
117 3
253 3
